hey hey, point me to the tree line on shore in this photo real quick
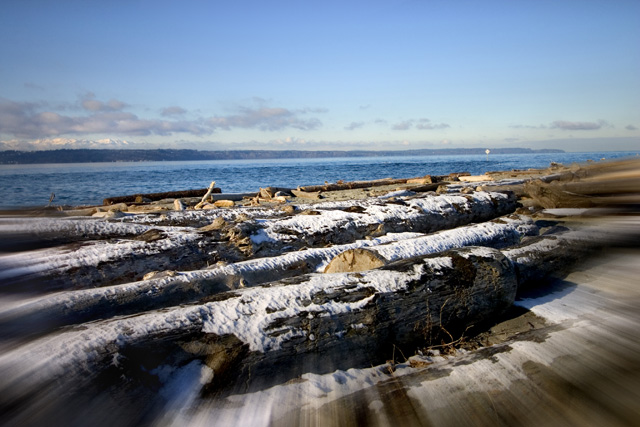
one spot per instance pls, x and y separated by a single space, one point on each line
109 155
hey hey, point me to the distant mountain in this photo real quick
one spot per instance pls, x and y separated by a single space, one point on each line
111 155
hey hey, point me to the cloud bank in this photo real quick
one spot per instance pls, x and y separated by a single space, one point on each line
34 120
64 143
568 125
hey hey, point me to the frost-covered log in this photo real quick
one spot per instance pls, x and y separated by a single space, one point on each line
340 223
172 288
102 262
141 248
274 333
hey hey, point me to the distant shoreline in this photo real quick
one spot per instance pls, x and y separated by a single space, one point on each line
119 155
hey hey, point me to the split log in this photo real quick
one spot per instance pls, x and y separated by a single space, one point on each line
157 196
354 260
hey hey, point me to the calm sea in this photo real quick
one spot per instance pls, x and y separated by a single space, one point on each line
90 183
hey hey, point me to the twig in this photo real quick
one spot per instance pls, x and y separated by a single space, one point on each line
206 196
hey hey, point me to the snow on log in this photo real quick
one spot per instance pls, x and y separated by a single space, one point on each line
320 322
79 306
243 237
340 223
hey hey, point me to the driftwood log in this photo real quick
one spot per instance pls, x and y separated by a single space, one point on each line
158 196
339 186
159 248
168 288
315 323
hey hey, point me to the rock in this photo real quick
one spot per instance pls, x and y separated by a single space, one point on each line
354 260
224 203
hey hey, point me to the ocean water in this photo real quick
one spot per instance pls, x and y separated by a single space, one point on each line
90 183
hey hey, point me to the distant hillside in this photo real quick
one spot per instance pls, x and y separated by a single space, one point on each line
97 155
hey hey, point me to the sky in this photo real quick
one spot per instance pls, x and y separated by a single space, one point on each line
329 75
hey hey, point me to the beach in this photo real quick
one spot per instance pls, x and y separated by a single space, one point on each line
498 298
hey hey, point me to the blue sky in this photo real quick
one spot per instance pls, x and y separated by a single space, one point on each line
320 75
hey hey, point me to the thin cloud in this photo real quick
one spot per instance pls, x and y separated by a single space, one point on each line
422 124
90 103
405 125
631 127
565 125
264 118
425 124
173 111
319 110
354 125
527 127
